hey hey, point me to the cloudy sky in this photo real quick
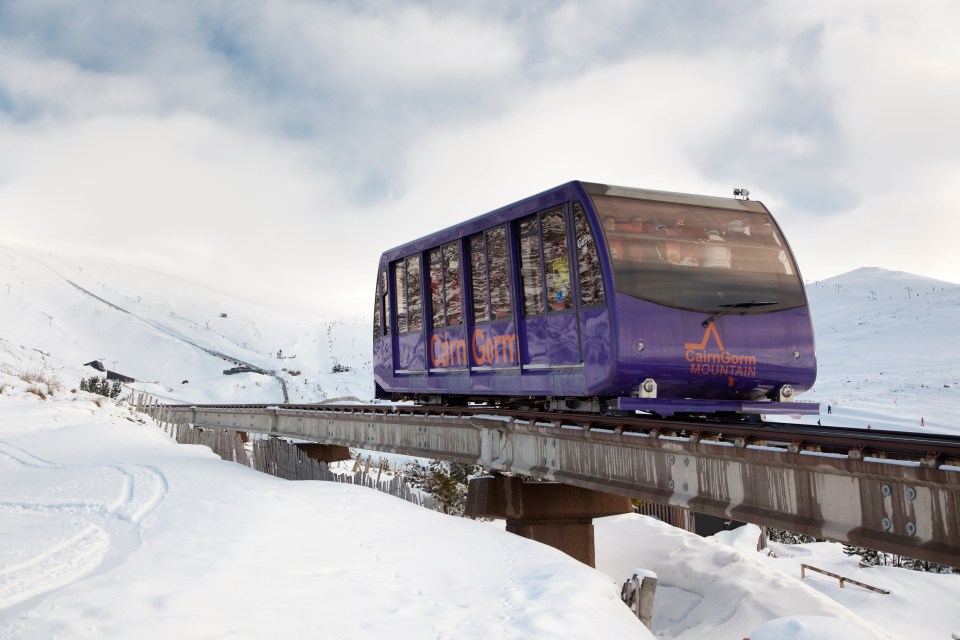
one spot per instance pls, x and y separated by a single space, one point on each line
276 148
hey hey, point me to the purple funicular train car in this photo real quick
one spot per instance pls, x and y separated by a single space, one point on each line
595 297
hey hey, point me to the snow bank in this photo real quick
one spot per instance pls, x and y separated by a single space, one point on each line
111 530
706 588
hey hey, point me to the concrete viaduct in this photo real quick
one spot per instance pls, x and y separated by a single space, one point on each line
897 506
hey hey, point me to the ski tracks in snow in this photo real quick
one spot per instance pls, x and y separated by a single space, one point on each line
75 513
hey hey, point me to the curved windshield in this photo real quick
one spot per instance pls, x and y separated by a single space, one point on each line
699 258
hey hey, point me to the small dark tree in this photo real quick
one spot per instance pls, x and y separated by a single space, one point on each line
788 537
445 481
868 557
874 558
101 386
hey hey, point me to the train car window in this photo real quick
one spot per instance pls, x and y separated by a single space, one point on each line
588 260
478 278
499 270
531 275
451 281
699 258
398 279
436 288
385 294
377 329
556 260
414 299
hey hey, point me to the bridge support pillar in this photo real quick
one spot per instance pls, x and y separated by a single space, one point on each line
555 514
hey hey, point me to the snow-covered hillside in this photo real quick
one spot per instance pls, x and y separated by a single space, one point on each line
886 350
174 337
112 530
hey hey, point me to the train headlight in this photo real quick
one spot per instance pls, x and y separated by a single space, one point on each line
786 393
796 355
641 346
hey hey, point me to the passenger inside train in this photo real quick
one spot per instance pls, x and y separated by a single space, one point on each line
713 241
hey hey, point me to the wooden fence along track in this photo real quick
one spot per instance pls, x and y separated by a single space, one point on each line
280 458
842 579
228 445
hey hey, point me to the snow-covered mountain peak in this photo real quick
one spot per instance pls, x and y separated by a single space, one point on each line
875 282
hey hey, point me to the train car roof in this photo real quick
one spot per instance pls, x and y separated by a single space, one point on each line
713 202
541 200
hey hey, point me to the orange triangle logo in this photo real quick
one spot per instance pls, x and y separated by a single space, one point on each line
702 345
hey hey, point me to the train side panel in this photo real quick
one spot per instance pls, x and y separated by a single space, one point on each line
564 350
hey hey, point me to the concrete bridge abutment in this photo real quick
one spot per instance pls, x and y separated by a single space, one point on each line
557 515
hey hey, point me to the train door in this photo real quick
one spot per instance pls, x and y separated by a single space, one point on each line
447 352
382 347
549 335
596 333
409 353
493 333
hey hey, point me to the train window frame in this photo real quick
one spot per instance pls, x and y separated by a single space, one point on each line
531 265
490 275
501 291
557 279
385 295
452 286
414 293
446 292
435 276
400 295
377 317
479 282
589 267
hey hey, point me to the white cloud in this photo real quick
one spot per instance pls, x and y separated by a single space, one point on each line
898 230
385 48
895 84
181 194
892 93
249 140
613 124
59 89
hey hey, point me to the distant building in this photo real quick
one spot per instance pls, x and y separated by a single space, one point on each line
96 364
111 375
230 372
